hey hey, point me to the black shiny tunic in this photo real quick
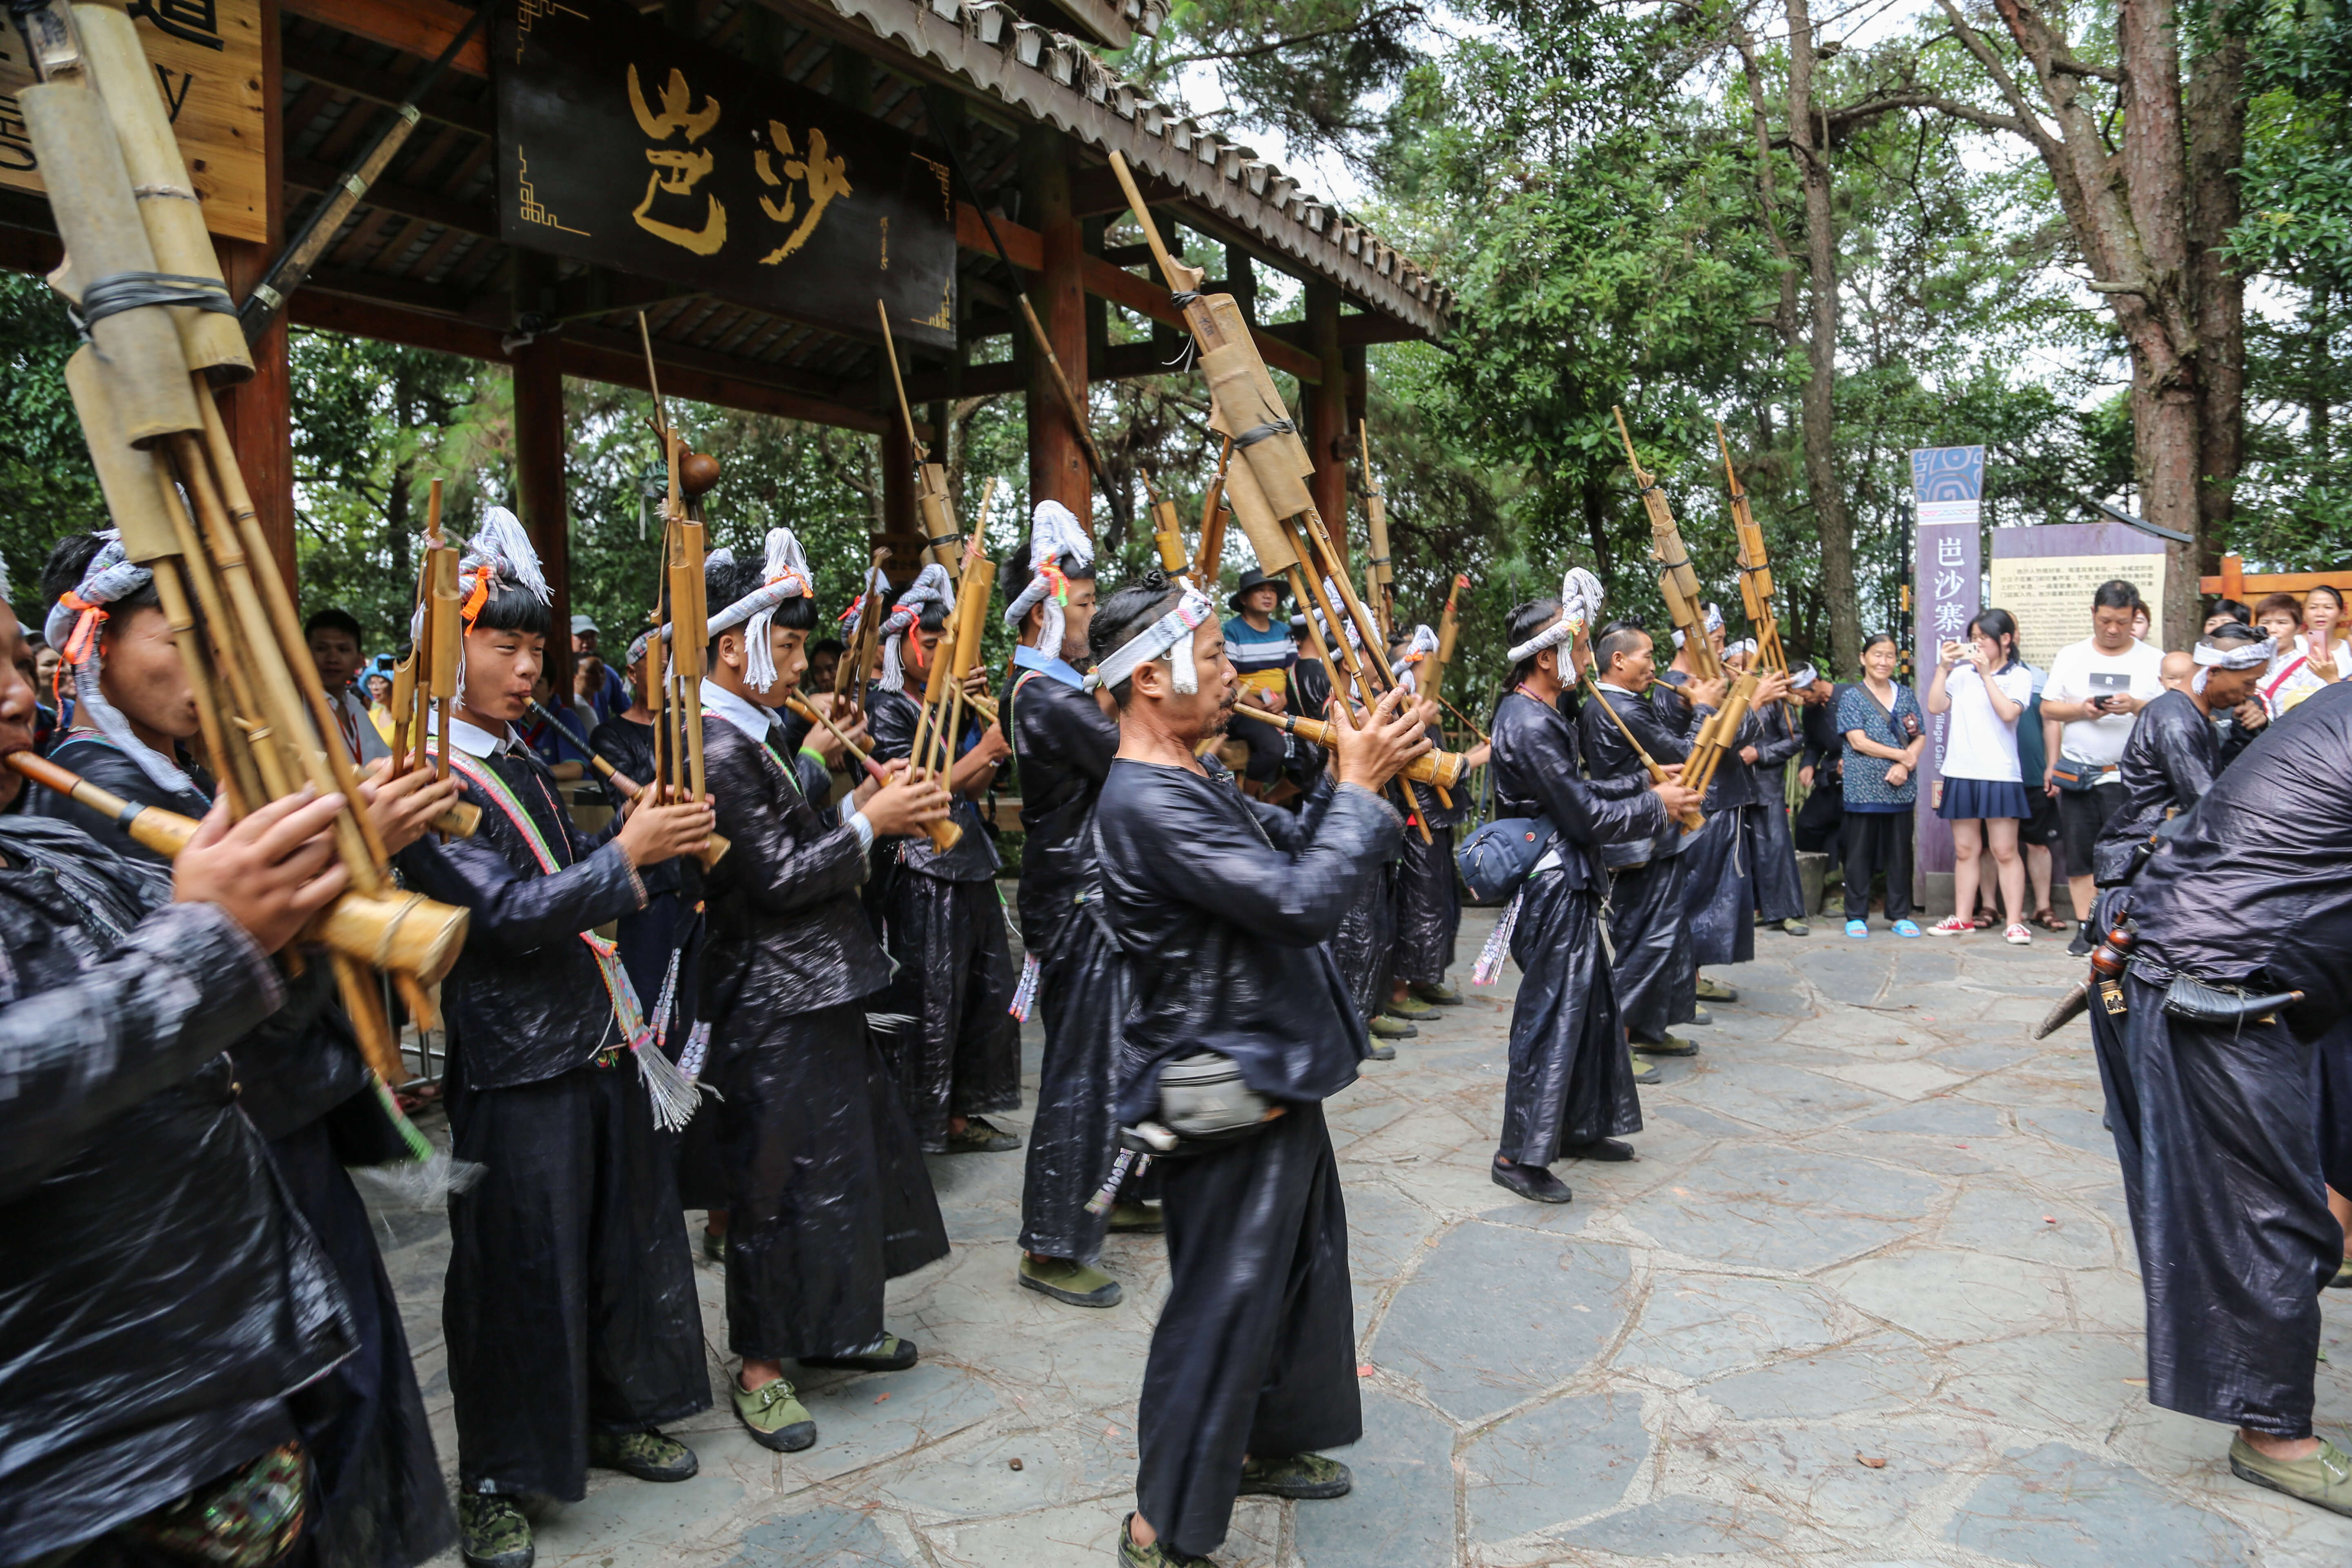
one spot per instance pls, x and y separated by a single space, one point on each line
2167 766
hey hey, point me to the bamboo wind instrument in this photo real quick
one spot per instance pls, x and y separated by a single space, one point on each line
1678 584
409 931
856 667
714 849
1209 560
1379 577
940 532
1449 633
1719 734
946 833
173 487
1439 770
1167 531
1755 574
858 753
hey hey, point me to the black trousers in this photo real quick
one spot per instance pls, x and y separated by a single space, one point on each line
1572 1078
570 1301
962 1055
1082 998
1818 820
1656 973
1255 1349
1877 841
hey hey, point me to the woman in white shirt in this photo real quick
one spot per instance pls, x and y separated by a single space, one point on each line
2314 659
1983 685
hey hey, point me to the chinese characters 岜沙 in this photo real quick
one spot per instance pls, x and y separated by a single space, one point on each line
826 177
678 170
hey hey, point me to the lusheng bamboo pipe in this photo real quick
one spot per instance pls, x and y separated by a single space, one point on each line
1441 770
1693 818
1678 584
944 833
714 849
1755 574
406 933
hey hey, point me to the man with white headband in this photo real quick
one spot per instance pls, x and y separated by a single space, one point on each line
826 1196
2175 751
1571 1086
301 1080
957 1056
1719 882
1062 739
569 1310
1224 907
2226 1091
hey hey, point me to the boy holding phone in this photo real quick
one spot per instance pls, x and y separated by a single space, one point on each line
2095 692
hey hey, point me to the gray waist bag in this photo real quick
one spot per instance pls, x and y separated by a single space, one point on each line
1203 1100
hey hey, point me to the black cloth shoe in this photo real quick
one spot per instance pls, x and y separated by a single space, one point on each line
2084 940
1532 1182
979 1136
1611 1149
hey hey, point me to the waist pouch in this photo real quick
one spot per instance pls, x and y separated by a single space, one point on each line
2076 778
1203 1105
1498 856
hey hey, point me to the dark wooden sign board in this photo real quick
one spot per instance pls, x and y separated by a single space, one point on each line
623 144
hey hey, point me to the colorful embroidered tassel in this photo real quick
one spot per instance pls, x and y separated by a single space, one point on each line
1127 1159
1025 995
1498 946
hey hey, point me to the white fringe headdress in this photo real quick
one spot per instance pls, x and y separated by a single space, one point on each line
500 556
930 586
1713 623
1581 603
787 578
75 628
1054 534
1421 648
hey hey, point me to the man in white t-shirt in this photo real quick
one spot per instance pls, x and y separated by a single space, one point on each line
2095 691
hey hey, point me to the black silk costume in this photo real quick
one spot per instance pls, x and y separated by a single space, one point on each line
944 923
569 1301
1063 743
1224 908
827 1196
1780 895
1719 880
302 1083
1572 1079
1655 973
166 1314
2167 765
1428 901
2224 1177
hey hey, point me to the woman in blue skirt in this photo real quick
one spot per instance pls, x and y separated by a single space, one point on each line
1984 686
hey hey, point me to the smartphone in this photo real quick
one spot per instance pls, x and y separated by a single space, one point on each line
1953 652
2107 685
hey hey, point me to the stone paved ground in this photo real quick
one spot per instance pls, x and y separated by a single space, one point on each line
1867 1297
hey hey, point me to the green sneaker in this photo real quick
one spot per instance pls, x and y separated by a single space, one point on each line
1795 926
2343 1276
646 1455
888 1353
774 1416
1137 1219
1647 1073
1700 1015
1159 1555
1067 1280
1439 995
1411 1009
980 1137
1310 1476
2322 1479
492 1533
1387 1028
714 1245
1716 991
1674 1044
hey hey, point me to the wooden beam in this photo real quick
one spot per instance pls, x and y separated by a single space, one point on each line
540 436
1125 362
314 61
408 201
2247 586
1357 330
1058 463
421 27
1327 414
1094 192
1121 287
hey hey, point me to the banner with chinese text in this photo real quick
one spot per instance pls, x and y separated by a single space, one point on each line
207 61
623 144
1947 487
2045 576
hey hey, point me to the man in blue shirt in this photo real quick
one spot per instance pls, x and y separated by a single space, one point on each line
1263 653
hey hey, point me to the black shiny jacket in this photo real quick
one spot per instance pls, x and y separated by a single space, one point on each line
1824 750
629 747
2258 888
890 718
526 1002
1608 756
303 1061
1735 781
2167 766
1224 908
787 936
159 1295
1063 742
1540 772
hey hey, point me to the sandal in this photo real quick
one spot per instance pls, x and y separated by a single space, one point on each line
1982 921
2047 919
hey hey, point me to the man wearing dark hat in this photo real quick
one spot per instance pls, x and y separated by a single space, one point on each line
1263 653
606 693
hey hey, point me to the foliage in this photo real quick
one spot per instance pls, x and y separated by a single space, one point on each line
47 488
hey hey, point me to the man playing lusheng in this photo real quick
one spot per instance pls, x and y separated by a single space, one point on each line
570 1309
827 1199
1222 907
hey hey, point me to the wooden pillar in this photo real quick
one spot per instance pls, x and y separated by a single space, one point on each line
539 491
1327 413
1058 466
260 414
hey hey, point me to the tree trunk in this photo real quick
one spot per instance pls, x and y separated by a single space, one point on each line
1818 407
2216 115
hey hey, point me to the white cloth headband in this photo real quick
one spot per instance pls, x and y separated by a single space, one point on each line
74 628
2236 655
1580 602
1171 635
930 586
1419 648
787 578
1713 623
1054 534
1802 677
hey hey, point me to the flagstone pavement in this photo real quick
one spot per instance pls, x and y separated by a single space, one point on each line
1868 1297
